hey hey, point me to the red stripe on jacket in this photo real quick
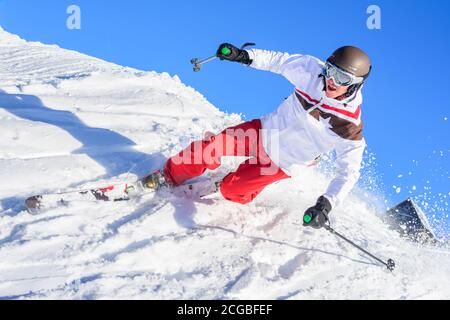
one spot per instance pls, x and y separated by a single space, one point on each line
354 115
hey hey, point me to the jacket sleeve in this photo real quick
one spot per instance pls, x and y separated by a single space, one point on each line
348 166
292 66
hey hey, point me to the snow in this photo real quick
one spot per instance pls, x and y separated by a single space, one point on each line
68 120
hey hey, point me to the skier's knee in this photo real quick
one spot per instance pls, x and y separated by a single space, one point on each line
231 193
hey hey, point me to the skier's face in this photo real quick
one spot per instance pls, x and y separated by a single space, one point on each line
333 91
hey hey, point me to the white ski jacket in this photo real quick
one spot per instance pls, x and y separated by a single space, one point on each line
309 124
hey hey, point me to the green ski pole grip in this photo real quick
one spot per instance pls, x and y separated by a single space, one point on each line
307 218
226 51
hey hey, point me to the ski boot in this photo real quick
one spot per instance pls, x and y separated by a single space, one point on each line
155 181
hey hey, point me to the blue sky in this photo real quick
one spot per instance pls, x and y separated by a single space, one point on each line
406 105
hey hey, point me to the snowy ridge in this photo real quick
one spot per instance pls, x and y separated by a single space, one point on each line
67 120
48 64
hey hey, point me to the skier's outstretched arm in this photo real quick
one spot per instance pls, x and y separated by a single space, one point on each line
293 67
348 163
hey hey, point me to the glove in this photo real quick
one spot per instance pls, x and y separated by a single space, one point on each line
229 52
317 216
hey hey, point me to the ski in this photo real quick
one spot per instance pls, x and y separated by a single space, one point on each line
123 191
113 192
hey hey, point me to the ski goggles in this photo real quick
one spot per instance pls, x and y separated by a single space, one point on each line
340 77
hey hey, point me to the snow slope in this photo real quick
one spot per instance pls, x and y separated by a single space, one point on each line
68 120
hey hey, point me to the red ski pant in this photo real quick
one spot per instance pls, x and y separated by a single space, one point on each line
241 186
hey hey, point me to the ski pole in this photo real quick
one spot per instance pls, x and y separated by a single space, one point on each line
225 51
198 63
390 264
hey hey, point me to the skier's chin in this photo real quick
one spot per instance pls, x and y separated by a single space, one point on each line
332 94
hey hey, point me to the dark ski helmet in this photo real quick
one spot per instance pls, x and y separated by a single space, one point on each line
352 60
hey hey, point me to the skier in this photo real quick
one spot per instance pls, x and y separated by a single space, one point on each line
322 114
